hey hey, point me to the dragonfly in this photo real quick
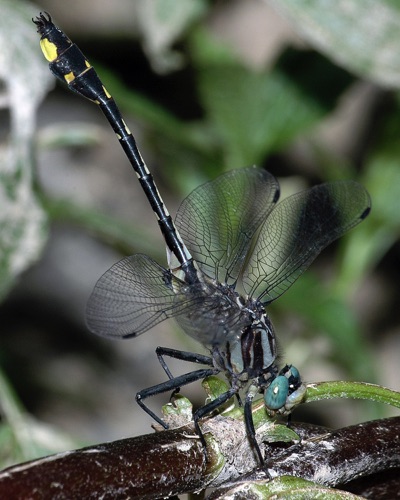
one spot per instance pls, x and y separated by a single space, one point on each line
232 250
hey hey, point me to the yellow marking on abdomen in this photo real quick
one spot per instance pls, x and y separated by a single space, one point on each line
126 128
69 77
107 93
49 49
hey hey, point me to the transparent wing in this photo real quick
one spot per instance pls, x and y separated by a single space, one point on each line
217 221
214 316
299 228
134 295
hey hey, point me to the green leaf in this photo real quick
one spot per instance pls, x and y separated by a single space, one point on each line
369 243
25 77
278 433
178 412
288 487
360 35
214 387
329 312
254 113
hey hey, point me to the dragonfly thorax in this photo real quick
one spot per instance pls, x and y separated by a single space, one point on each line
213 313
253 354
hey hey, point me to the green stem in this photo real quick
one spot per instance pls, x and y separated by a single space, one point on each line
353 390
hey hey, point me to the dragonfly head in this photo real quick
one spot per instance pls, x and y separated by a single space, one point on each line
285 392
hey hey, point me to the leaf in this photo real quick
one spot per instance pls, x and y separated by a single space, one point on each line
329 312
256 112
285 488
161 23
360 35
367 246
26 80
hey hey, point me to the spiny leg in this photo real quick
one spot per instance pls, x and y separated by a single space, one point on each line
207 409
190 357
251 432
170 385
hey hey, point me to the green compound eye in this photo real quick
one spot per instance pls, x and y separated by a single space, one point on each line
276 394
294 375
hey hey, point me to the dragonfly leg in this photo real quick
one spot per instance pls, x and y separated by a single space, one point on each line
170 385
206 410
251 432
191 357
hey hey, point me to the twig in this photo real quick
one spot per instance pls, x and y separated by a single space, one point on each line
172 462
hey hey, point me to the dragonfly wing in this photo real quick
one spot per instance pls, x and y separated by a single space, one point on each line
218 220
299 228
214 317
134 295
